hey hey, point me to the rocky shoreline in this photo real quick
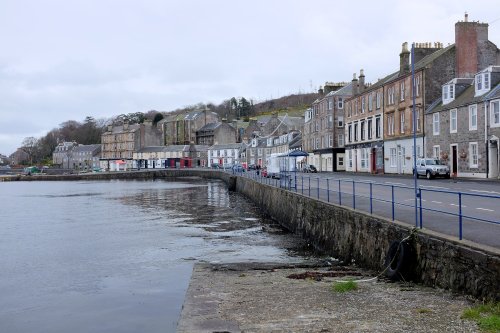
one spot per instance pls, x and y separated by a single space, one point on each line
264 298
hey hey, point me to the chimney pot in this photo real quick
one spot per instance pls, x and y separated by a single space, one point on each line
466 19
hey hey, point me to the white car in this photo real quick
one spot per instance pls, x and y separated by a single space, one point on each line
432 167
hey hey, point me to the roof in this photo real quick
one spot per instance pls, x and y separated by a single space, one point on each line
87 148
227 146
210 127
465 98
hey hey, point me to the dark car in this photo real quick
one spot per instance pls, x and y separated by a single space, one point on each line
310 168
252 167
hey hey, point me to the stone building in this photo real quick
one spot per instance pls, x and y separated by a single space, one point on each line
278 125
463 126
216 133
85 157
119 143
364 146
61 156
226 155
181 129
323 135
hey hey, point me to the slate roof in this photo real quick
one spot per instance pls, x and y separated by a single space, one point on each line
87 148
210 127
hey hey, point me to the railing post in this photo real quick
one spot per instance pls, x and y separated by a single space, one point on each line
371 196
392 186
420 199
353 195
309 186
340 195
318 187
460 215
302 183
328 190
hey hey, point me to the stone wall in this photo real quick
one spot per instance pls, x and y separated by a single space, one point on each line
438 260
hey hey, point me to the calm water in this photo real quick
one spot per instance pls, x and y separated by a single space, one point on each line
116 256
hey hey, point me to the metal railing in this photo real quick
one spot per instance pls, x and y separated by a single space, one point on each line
381 198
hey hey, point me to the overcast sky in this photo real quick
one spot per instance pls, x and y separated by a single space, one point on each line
67 59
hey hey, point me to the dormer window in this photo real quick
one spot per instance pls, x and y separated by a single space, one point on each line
448 93
482 83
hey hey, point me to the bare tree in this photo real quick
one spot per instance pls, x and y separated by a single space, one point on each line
29 146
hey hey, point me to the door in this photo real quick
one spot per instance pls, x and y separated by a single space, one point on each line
454 161
373 160
493 159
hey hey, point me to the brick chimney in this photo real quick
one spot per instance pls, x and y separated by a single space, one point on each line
354 84
469 37
404 59
361 81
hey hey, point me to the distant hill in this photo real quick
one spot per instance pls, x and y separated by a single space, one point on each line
291 104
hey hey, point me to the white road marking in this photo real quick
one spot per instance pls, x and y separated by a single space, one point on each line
463 206
486 209
440 187
389 183
438 202
490 192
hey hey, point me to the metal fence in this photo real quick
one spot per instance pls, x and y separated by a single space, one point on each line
392 201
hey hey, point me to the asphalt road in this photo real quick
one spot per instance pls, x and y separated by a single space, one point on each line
442 200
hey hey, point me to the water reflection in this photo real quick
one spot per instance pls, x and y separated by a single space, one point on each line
117 256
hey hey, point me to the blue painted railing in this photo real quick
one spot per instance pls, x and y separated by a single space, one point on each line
325 190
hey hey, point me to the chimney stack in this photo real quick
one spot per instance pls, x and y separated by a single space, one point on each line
469 38
361 81
404 59
354 84
320 90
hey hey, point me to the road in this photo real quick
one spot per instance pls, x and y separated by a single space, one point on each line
442 205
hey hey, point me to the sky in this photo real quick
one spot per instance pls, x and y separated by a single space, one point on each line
65 60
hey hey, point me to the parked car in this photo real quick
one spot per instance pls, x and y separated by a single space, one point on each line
32 170
310 168
432 167
215 166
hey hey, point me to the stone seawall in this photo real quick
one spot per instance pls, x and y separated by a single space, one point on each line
438 260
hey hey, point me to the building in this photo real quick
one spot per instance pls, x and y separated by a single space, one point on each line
463 126
119 143
226 155
323 135
181 129
61 156
85 157
278 125
173 156
216 133
364 146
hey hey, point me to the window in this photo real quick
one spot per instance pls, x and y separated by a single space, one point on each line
370 102
356 131
369 129
349 110
340 103
390 124
417 121
317 144
363 104
436 151
341 140
402 92
403 157
448 93
340 121
390 95
482 83
355 107
349 156
453 121
377 127
364 158
392 157
473 156
362 130
349 133
472 117
378 99
402 122
435 124
330 103
495 113
330 140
